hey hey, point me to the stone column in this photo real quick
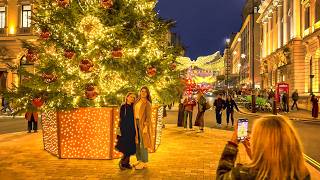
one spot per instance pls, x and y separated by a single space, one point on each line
280 10
285 21
296 13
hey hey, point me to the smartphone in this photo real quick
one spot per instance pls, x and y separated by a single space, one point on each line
242 129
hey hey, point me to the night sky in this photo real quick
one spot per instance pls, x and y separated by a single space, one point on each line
203 24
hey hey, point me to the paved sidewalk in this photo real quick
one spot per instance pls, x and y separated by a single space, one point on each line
300 115
181 155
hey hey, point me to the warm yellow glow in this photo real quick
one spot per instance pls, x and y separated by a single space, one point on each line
89 133
12 29
317 25
306 32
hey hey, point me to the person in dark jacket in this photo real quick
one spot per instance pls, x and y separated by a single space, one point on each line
126 137
219 105
278 157
201 101
180 115
230 105
188 103
285 102
32 117
315 106
295 98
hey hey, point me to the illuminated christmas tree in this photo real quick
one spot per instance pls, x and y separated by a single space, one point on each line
90 53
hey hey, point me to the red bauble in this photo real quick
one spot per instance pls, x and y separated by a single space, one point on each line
31 56
90 87
49 77
117 53
173 66
151 71
90 92
37 102
86 65
63 3
69 54
107 4
45 34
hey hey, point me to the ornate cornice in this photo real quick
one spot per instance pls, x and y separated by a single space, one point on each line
267 8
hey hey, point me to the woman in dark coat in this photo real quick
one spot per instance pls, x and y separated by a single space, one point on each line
230 105
126 137
315 106
180 115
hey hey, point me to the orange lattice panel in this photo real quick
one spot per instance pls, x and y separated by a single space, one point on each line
86 133
49 129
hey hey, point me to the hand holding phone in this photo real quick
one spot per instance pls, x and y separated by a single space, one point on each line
242 129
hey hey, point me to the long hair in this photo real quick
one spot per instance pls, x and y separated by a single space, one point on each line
128 94
277 153
125 101
148 94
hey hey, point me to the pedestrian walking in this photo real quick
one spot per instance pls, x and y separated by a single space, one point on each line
126 133
230 105
275 152
32 117
295 98
219 105
5 106
285 103
201 101
315 106
180 114
142 115
188 103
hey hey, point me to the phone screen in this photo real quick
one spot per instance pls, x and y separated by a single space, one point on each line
242 129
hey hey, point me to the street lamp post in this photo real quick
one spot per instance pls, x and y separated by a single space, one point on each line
252 60
227 64
239 66
311 77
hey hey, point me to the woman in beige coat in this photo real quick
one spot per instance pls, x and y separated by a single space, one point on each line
142 116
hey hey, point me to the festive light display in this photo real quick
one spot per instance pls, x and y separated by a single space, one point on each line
212 62
50 131
89 133
159 127
110 43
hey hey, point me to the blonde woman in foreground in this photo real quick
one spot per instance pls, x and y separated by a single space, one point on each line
275 152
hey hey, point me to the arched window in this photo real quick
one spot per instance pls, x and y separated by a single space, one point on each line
317 15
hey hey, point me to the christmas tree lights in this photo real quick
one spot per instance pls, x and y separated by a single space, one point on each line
115 46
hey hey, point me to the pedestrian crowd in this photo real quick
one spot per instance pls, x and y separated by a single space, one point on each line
220 104
280 156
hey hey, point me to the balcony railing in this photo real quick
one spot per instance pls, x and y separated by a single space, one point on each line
25 30
2 31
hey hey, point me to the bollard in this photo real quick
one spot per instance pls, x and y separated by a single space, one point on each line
274 107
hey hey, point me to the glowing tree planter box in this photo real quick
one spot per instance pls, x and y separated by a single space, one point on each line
89 133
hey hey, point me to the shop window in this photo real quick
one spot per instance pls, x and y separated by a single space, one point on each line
307 17
317 15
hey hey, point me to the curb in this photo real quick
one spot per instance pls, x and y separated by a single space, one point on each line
10 117
291 118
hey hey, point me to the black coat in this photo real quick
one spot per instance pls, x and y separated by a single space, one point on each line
219 104
180 115
126 142
230 105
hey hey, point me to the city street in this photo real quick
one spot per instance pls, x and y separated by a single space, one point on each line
307 130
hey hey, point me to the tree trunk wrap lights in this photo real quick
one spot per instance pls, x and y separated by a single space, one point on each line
89 133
